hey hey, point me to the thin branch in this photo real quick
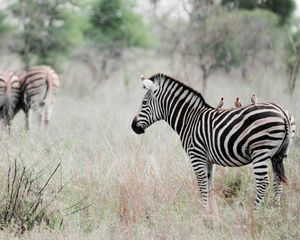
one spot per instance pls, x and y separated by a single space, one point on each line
17 194
76 204
12 191
48 180
51 201
35 205
8 180
76 211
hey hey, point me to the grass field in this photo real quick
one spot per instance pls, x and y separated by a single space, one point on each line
143 187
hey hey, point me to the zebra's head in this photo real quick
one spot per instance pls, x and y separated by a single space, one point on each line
150 109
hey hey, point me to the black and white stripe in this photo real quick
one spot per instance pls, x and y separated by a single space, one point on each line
38 89
10 97
257 133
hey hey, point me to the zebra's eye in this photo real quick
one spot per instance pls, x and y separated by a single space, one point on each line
144 102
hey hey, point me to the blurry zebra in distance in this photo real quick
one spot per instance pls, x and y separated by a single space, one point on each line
10 101
38 92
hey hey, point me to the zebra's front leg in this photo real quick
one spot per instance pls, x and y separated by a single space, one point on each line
211 195
260 169
201 170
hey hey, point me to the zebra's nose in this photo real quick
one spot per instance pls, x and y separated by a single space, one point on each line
137 129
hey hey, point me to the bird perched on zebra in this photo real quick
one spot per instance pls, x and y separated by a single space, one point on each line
256 134
253 99
38 90
10 101
221 103
237 103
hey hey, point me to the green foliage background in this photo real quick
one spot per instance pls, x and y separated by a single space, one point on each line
49 32
284 9
114 22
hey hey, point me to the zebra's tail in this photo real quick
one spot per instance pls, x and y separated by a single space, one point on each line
281 154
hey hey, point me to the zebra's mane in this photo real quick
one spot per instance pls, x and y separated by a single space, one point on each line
160 77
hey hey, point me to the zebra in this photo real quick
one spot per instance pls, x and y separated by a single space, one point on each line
257 133
38 89
10 101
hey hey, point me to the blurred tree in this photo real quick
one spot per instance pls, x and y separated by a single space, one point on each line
3 26
259 38
44 30
210 42
114 23
4 29
283 8
114 26
216 46
199 10
293 56
226 39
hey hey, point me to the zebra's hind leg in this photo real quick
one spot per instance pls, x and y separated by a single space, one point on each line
210 175
41 116
9 126
260 169
6 122
48 112
277 186
28 114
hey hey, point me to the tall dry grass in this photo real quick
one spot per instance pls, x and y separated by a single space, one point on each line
143 187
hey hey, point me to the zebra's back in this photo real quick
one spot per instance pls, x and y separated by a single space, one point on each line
38 89
39 85
234 137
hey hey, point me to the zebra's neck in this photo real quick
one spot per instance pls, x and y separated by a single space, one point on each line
179 103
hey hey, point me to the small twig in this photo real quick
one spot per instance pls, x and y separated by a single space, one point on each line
35 204
61 174
48 180
76 204
29 187
17 194
41 172
79 209
61 223
51 201
8 180
27 183
12 191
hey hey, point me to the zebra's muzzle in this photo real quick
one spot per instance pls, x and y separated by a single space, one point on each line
137 129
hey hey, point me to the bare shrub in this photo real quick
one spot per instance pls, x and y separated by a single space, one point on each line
27 203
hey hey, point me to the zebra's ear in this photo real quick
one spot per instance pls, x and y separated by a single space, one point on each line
150 85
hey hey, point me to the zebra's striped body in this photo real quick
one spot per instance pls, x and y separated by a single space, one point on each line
38 89
235 137
10 102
